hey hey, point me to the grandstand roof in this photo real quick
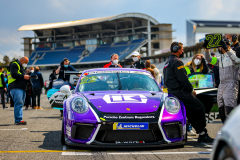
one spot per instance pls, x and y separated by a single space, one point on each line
85 22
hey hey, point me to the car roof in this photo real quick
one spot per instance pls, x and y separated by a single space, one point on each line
115 69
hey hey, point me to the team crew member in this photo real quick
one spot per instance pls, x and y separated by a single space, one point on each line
228 70
198 64
138 63
176 80
114 62
235 46
64 66
17 80
3 88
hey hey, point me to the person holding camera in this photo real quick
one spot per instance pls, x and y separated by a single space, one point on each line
177 83
228 71
64 66
17 81
3 88
37 85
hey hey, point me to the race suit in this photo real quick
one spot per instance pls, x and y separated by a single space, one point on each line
228 89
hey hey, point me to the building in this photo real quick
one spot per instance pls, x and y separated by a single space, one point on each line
89 43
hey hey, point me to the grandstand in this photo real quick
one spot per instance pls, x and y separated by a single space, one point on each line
89 43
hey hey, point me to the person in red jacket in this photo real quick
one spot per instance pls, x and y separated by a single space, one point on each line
113 63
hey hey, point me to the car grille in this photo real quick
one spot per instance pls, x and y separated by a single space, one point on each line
111 136
173 130
83 132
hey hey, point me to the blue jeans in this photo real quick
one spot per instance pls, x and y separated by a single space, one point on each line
18 96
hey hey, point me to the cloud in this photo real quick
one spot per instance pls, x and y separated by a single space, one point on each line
11 54
8 36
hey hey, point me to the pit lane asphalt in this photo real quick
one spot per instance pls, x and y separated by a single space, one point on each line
40 139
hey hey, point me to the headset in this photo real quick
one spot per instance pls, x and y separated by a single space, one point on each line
234 37
175 47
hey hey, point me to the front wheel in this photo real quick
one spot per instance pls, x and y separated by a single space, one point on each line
62 134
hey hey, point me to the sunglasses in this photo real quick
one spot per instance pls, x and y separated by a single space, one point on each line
134 56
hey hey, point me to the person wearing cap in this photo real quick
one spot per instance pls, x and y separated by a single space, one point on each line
64 66
114 62
137 62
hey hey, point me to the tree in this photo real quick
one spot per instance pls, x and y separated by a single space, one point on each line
6 60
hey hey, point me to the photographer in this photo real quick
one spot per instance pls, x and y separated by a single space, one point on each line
64 66
228 71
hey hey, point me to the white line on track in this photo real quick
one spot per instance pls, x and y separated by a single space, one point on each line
128 153
210 146
13 129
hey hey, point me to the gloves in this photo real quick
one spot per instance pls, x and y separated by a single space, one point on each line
224 45
205 43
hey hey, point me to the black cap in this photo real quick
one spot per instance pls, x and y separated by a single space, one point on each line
65 59
212 54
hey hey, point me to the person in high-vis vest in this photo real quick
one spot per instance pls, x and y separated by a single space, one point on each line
3 88
17 81
197 64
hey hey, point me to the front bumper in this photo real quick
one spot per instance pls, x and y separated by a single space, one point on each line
96 144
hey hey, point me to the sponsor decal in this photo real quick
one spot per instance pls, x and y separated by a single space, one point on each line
129 142
211 116
58 101
126 98
128 117
88 79
102 119
130 126
166 65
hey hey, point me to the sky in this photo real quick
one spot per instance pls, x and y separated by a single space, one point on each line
16 13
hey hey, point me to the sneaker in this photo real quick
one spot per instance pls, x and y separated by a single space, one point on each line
35 107
191 133
21 123
26 108
39 108
205 138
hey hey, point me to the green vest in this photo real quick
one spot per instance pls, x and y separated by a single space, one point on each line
189 71
1 85
10 79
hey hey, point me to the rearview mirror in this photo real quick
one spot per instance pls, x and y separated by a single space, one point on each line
65 89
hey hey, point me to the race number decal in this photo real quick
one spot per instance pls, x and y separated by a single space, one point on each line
213 40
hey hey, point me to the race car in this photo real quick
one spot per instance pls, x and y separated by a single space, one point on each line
55 97
116 107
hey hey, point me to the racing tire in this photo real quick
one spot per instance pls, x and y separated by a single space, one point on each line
226 153
62 134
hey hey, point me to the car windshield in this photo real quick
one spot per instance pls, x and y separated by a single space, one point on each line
138 81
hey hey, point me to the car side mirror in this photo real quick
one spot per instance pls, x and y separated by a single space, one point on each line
65 89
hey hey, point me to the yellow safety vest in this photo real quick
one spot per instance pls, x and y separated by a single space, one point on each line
1 85
10 79
189 71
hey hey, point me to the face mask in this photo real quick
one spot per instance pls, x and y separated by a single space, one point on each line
65 66
197 61
24 65
181 55
115 62
32 71
231 43
135 59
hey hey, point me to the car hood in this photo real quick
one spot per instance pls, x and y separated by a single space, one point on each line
124 101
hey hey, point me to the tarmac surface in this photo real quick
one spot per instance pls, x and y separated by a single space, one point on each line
40 139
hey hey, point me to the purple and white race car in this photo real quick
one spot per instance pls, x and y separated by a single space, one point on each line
116 107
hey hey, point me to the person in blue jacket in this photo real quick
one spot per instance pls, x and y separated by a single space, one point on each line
37 85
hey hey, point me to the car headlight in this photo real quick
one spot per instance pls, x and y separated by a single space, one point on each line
172 105
79 105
